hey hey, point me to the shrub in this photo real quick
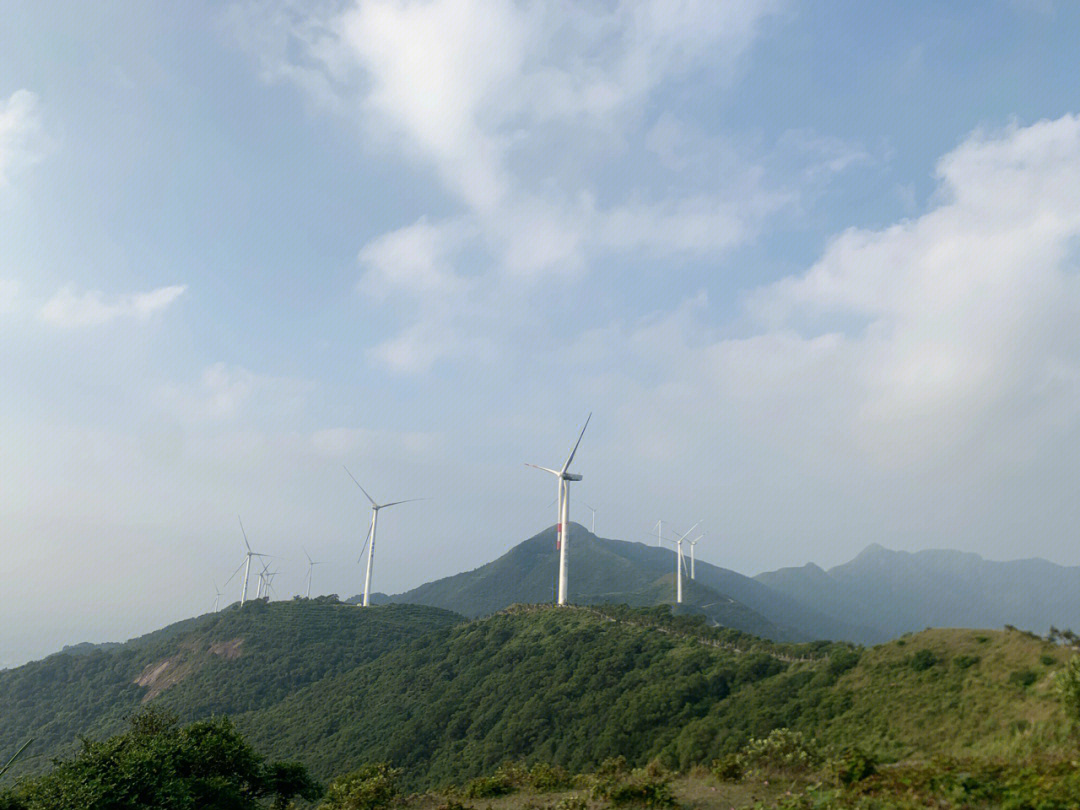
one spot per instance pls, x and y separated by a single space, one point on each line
922 660
484 787
1023 677
571 803
639 790
1067 684
851 766
1047 660
965 661
783 752
729 768
546 778
370 787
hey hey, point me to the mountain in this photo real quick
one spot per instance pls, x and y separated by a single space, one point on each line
606 571
894 592
236 660
333 686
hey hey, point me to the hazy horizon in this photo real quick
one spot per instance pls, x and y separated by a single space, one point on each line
812 268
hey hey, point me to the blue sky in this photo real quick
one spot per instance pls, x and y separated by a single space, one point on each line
812 267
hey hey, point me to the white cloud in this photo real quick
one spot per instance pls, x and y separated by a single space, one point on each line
20 133
225 393
901 345
416 259
515 107
69 309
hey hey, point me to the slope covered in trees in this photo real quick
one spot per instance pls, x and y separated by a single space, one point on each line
572 687
222 663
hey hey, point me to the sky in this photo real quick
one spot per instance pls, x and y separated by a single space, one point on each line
812 267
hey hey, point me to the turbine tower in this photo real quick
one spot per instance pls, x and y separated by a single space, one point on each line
246 564
311 565
693 543
680 563
593 529
217 598
659 537
369 544
563 526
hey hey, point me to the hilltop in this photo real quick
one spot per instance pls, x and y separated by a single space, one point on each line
607 571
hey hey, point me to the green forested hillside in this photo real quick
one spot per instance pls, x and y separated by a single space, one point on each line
228 662
446 699
570 686
573 687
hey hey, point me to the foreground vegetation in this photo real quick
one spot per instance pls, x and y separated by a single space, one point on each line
594 706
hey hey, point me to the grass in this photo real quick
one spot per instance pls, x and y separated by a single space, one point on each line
953 692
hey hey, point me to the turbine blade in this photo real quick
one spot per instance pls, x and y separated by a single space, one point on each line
683 537
407 500
361 488
363 548
573 452
234 573
244 533
306 554
545 469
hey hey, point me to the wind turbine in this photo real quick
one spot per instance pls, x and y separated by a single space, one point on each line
246 565
659 529
593 529
680 563
311 565
370 542
217 598
260 590
563 526
693 543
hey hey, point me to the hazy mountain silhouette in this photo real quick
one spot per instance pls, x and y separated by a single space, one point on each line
897 591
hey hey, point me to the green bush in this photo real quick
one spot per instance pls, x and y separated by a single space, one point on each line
922 660
1067 683
571 803
370 787
965 661
783 752
729 768
1047 660
852 765
484 787
160 764
545 778
1023 677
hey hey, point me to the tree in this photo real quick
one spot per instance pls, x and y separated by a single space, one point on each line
157 763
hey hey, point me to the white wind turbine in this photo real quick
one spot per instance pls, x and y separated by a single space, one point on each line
246 564
563 526
680 563
693 543
264 582
217 598
311 565
593 528
659 530
370 542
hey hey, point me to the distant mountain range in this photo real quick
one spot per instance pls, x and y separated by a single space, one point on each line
877 596
895 592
